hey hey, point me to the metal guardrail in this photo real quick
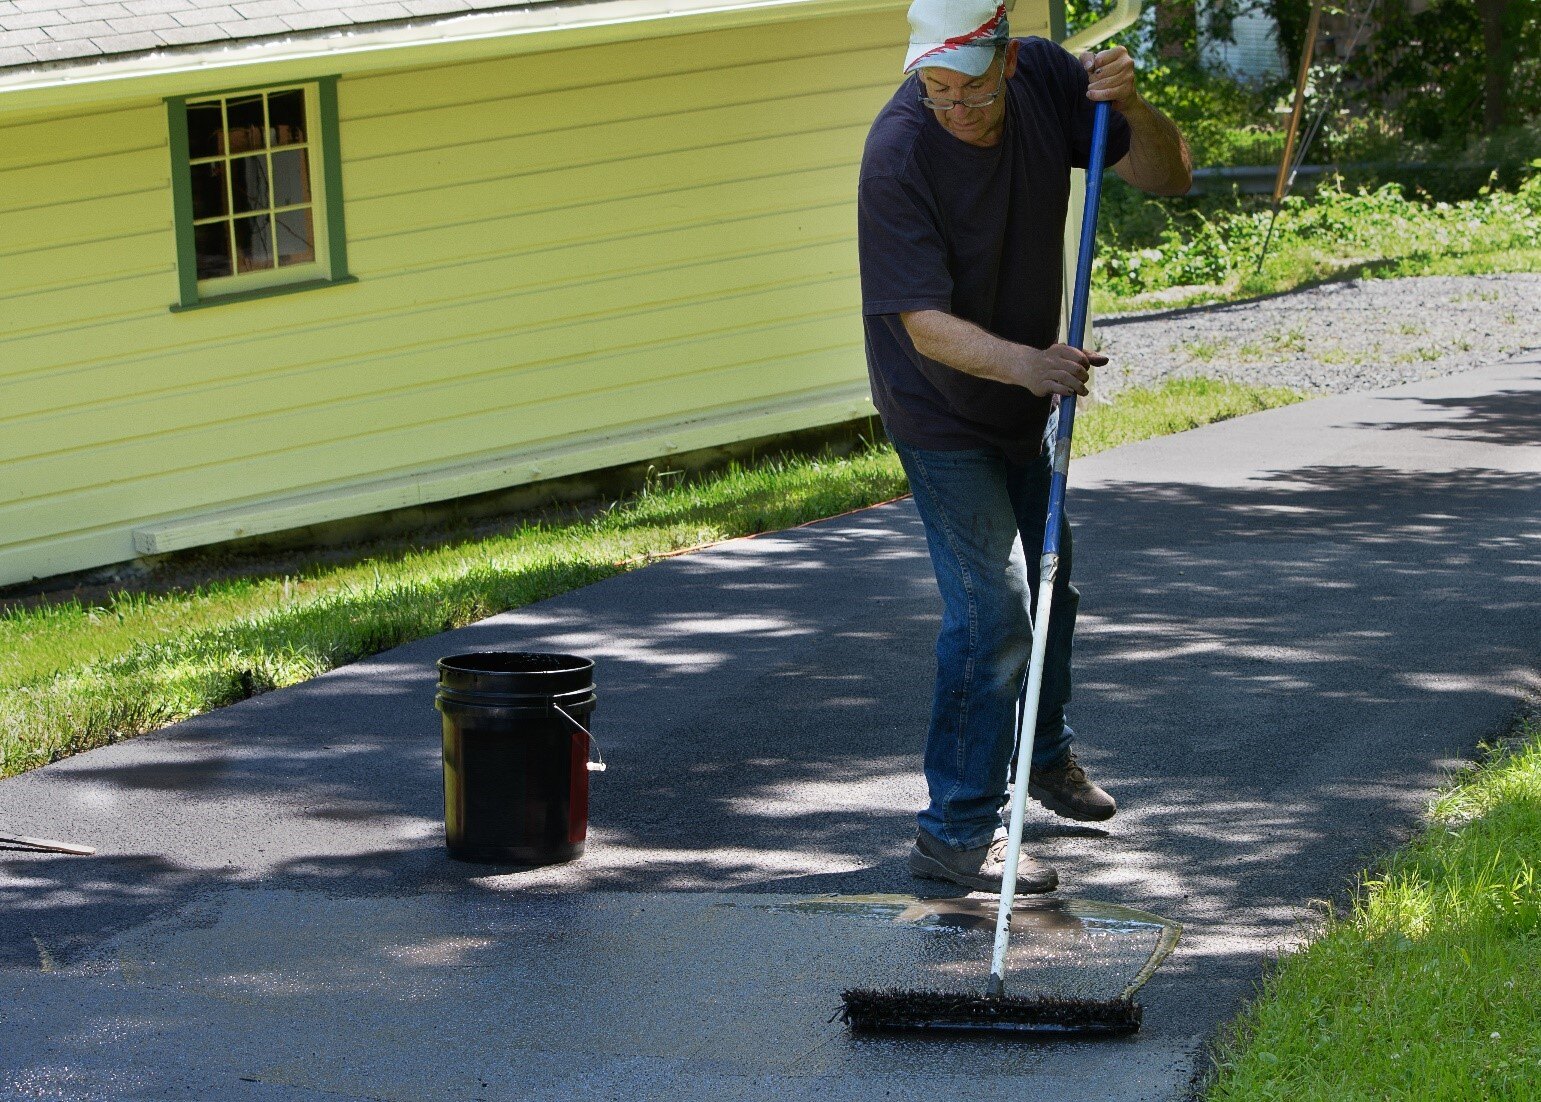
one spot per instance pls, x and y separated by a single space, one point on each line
1259 179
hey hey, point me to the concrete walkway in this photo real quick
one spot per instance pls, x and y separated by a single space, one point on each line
1293 626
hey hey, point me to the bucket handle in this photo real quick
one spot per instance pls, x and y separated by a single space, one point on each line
594 766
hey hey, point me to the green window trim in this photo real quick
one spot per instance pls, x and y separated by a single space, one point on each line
331 262
263 292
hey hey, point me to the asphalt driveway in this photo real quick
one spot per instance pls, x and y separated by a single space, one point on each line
1293 626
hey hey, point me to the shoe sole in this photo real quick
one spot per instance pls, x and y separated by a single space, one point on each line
1067 811
929 868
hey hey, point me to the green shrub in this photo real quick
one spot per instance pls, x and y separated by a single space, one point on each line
1218 246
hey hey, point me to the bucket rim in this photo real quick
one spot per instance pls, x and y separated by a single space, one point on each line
464 663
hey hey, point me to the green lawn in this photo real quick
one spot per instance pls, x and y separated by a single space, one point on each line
1185 252
75 676
1427 988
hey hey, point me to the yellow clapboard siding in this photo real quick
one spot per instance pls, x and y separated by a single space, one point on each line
290 430
76 550
29 355
679 246
574 455
623 64
446 353
475 196
88 303
541 324
533 232
567 187
70 273
77 268
339 451
802 90
62 137
535 227
498 431
43 186
85 220
610 181
408 310
523 102
719 130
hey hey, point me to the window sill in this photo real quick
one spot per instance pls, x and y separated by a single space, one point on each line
263 292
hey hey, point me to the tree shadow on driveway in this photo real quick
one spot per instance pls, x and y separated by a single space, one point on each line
1272 674
1507 417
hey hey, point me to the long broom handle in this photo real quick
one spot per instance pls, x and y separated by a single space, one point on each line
1048 563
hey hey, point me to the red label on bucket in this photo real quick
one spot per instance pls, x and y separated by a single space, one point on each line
578 802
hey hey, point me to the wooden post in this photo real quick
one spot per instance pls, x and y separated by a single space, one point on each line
1282 180
47 844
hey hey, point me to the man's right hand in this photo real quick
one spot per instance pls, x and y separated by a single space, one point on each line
1058 369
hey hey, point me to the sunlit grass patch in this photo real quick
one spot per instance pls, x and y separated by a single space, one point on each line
1427 988
1177 406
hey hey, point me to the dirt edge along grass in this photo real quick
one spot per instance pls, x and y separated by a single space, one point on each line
1424 988
282 640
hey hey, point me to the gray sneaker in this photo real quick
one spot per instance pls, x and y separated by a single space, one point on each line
979 868
1065 791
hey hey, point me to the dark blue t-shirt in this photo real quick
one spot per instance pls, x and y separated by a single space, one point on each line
978 233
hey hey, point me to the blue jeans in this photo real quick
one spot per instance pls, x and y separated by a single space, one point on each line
980 510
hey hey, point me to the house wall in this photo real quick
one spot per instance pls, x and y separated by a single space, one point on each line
566 260
1255 55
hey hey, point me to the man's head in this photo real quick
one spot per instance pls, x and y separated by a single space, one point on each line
964 55
961 35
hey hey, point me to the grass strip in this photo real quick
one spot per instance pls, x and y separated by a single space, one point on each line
1151 257
1426 988
76 677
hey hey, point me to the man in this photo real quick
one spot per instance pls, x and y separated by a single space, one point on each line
964 190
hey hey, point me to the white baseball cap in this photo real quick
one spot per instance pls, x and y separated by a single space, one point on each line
961 35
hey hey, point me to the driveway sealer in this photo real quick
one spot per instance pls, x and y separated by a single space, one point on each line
1294 625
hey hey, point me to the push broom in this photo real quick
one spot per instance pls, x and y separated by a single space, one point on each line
995 1011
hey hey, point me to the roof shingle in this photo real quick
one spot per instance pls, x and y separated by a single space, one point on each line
37 32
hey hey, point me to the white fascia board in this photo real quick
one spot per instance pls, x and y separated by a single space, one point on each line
539 28
1124 13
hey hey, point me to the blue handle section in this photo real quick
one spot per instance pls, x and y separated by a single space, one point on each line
1079 306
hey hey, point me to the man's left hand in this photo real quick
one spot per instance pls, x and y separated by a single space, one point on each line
1111 74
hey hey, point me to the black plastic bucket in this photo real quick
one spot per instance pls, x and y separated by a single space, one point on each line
516 774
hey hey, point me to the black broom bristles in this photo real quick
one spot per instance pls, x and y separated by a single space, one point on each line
965 1012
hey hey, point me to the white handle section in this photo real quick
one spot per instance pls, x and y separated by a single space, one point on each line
47 844
594 766
1047 567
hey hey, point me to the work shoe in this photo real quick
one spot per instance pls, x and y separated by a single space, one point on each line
979 868
1064 790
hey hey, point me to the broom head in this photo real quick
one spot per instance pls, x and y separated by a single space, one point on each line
897 1010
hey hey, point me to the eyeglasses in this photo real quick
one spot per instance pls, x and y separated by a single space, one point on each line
971 104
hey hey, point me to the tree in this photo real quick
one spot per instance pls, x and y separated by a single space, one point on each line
1290 17
1438 63
1498 52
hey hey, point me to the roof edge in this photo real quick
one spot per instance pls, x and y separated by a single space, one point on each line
1124 13
538 28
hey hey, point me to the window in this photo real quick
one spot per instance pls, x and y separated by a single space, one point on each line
257 190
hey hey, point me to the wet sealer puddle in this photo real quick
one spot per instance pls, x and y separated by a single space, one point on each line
483 993
1065 948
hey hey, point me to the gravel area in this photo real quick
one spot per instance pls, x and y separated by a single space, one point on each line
1358 335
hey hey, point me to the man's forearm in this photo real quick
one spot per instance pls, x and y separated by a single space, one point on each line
948 339
1158 160
964 346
